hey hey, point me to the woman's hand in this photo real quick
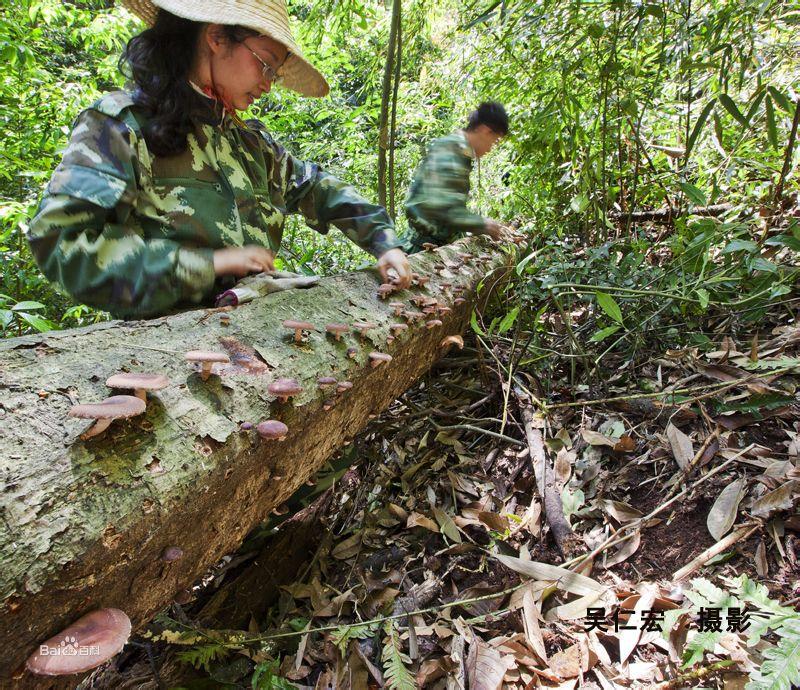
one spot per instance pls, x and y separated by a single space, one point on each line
239 261
397 260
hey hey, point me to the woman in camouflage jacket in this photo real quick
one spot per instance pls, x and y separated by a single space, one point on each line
164 193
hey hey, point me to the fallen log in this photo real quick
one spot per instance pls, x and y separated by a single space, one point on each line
85 523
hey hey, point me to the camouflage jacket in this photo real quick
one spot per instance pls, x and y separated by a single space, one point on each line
436 205
133 233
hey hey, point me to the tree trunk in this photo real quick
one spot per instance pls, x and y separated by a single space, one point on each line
386 91
393 125
84 523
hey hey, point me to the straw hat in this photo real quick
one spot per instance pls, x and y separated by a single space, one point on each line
268 17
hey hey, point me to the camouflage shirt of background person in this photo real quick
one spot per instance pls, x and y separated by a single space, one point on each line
134 234
436 205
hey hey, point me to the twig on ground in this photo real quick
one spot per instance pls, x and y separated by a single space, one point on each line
545 483
695 564
681 680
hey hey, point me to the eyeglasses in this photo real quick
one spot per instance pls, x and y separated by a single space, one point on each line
267 71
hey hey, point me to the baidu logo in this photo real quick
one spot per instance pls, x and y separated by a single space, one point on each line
69 647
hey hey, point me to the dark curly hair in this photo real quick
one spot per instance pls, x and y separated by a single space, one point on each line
158 61
492 114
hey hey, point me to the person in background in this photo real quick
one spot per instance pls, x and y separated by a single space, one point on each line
436 205
164 195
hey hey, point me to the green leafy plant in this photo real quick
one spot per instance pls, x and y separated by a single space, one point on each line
398 676
768 621
343 635
203 656
265 677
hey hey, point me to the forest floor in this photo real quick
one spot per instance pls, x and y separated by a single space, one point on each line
432 562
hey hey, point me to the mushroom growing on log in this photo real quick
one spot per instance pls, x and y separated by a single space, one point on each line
138 383
115 407
79 521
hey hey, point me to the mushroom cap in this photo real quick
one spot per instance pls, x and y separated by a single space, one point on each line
171 553
272 429
305 325
363 325
459 300
413 315
352 352
378 357
337 327
453 340
326 381
344 386
102 633
206 356
147 382
115 407
433 323
397 305
444 310
285 387
398 327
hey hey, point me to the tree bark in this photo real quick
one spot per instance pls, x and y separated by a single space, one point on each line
386 91
83 523
393 124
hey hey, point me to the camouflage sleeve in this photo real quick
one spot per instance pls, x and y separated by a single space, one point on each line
443 191
85 238
326 200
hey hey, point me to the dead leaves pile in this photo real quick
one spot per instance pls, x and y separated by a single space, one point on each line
444 577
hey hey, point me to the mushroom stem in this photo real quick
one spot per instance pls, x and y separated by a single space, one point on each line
205 370
97 428
298 335
140 393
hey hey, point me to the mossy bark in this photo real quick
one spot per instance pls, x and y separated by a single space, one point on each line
84 522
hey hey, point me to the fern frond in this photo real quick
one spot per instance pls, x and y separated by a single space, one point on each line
781 667
398 677
203 656
699 645
342 636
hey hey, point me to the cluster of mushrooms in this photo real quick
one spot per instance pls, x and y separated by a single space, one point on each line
100 635
134 403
